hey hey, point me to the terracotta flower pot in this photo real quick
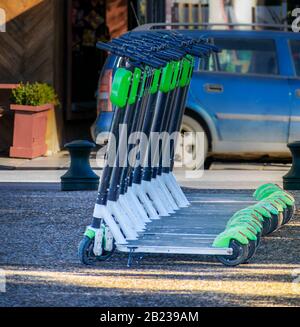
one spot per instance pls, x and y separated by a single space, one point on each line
29 131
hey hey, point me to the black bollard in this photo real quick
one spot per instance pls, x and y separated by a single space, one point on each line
80 176
291 181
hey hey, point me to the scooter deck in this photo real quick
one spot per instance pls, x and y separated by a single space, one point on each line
191 230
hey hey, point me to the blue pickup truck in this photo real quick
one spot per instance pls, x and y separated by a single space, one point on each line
246 99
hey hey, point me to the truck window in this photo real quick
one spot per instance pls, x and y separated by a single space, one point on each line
295 50
244 56
208 64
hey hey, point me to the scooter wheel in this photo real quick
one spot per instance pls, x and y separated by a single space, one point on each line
258 235
86 253
239 254
274 223
266 226
252 246
289 213
285 216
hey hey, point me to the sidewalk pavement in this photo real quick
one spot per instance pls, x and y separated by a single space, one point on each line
58 161
220 175
238 179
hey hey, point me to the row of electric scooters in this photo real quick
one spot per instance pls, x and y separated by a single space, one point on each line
149 93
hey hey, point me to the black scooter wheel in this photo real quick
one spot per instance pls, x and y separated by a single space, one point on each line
281 218
289 213
86 254
274 223
266 226
252 246
285 216
258 235
239 254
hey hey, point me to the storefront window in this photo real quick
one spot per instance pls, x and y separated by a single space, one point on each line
142 11
187 11
88 27
206 11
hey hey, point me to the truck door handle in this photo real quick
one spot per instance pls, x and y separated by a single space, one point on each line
213 88
297 93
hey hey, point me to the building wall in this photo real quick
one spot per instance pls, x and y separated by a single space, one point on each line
117 17
30 51
35 46
27 46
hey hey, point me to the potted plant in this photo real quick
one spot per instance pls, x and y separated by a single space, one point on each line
31 104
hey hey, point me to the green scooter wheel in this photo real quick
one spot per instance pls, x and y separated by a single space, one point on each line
86 253
239 254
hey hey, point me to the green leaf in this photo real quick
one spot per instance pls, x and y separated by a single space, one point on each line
34 94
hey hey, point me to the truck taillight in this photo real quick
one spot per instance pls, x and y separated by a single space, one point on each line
104 103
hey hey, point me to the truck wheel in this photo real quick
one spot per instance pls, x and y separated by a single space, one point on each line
186 152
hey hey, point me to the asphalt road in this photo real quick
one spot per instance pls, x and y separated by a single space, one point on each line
40 228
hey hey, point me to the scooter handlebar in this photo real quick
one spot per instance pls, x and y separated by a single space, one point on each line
127 53
156 51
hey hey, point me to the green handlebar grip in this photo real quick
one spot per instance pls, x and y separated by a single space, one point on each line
136 78
142 90
185 72
155 82
120 87
177 67
166 77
